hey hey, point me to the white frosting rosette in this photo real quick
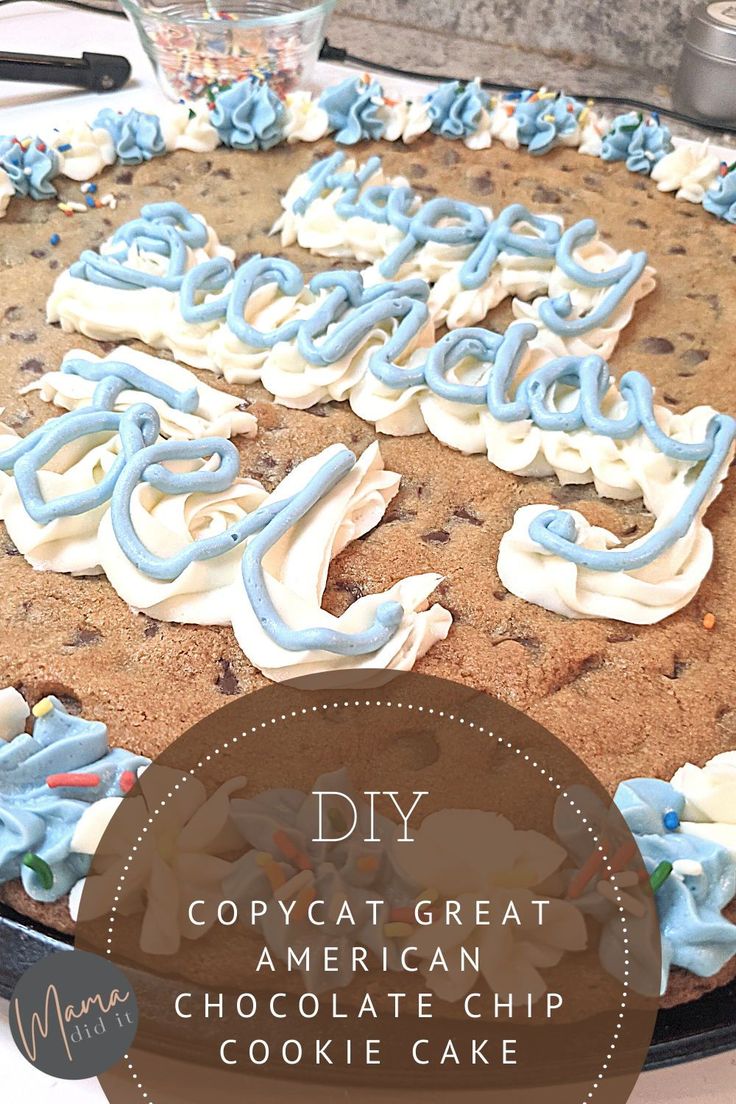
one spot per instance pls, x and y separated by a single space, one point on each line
217 415
513 274
592 130
167 524
266 310
180 858
451 854
14 713
689 170
710 800
295 571
8 438
597 256
7 191
405 120
188 126
296 383
623 469
305 120
322 230
504 125
91 150
66 544
148 314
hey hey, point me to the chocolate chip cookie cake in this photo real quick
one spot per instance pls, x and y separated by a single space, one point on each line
361 382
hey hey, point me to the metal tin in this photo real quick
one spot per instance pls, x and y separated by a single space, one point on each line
705 85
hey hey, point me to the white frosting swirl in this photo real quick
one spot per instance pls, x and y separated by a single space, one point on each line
592 129
14 713
188 126
405 120
504 125
597 256
689 170
66 544
92 149
7 191
167 524
8 438
296 568
217 415
620 469
710 799
305 120
180 858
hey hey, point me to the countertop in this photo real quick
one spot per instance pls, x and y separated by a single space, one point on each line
26 108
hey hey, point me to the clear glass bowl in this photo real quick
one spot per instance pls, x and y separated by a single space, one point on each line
196 45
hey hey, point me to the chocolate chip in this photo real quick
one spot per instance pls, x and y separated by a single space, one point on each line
451 156
33 365
26 336
640 223
679 250
84 637
70 701
347 586
678 669
619 638
125 177
593 182
226 174
10 549
320 410
694 356
54 264
12 313
418 170
397 514
151 629
436 536
566 168
533 643
38 253
482 184
658 346
543 194
500 594
466 515
226 682
670 399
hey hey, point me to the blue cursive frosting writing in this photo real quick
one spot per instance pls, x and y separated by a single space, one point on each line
456 108
695 934
353 108
136 135
544 118
165 229
641 144
31 167
349 312
47 781
249 116
720 199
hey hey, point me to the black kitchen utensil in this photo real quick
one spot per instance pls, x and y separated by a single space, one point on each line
97 72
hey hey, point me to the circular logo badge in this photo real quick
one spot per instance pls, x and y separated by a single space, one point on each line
73 1015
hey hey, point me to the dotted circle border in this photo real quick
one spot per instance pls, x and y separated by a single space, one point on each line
453 717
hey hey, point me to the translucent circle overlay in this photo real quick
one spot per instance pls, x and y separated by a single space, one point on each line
407 886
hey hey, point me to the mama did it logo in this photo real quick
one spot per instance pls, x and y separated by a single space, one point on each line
73 1015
